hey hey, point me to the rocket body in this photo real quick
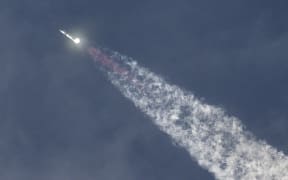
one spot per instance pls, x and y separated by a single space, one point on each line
75 40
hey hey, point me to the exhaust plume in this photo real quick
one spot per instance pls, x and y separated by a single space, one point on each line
218 142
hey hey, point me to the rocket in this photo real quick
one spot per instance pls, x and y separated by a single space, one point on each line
99 55
75 40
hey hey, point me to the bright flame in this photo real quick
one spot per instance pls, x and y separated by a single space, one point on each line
77 40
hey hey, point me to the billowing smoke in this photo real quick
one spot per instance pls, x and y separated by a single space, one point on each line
218 142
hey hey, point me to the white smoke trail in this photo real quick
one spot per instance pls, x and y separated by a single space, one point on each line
215 140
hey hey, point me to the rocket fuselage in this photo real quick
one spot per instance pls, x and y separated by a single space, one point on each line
75 40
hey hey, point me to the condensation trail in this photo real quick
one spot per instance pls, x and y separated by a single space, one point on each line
218 142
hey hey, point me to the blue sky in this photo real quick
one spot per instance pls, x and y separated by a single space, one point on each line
62 119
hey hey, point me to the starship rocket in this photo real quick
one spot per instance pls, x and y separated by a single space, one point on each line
75 40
